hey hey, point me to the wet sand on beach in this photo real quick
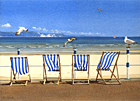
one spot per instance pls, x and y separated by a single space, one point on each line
128 90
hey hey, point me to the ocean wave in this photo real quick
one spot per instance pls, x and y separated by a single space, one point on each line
39 44
70 46
9 46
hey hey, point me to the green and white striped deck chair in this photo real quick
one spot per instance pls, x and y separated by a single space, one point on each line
51 63
105 63
80 63
19 66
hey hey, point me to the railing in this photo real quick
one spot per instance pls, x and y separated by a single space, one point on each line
64 52
70 65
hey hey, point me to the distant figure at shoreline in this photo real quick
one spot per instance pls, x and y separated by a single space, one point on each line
20 30
69 40
128 41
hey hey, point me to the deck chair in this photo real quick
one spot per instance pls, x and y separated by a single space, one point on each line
19 66
51 63
105 64
80 63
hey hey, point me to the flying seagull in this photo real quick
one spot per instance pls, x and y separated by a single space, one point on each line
69 40
128 41
99 9
20 30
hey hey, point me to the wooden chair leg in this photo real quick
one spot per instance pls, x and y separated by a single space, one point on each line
97 75
26 83
88 81
101 76
88 78
117 72
29 77
72 78
73 81
115 76
11 83
44 81
58 81
59 78
113 72
13 80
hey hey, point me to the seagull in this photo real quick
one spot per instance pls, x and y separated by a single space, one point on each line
128 41
69 40
99 9
20 30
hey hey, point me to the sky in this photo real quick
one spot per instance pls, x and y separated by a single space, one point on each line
72 17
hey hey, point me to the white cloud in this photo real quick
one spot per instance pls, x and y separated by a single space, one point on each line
34 27
69 32
44 29
57 31
75 33
6 25
38 33
65 32
37 28
98 33
52 31
89 33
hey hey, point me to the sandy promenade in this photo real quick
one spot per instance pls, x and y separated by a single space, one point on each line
128 90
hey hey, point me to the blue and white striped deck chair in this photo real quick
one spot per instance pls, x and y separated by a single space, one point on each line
51 63
19 65
80 62
105 63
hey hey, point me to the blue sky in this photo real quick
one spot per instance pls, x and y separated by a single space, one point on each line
78 17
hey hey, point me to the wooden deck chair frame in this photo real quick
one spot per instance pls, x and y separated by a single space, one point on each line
13 75
99 71
45 74
88 69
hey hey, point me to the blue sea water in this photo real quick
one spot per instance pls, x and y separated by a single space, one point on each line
56 43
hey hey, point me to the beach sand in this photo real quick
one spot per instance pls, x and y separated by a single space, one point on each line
128 90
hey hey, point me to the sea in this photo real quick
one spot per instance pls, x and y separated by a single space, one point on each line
35 41
12 43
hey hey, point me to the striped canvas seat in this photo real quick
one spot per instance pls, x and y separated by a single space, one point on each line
51 63
107 60
19 65
80 62
105 63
